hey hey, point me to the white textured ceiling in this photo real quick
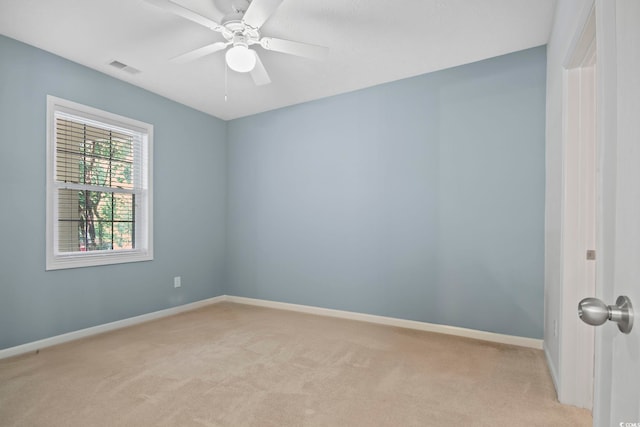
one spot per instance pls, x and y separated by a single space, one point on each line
370 42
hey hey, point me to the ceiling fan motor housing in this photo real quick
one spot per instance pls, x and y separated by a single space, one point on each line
239 32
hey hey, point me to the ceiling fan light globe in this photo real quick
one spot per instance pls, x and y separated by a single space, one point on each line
241 59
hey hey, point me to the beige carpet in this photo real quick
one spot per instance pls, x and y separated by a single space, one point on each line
236 365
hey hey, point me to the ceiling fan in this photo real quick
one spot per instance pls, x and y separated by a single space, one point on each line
241 30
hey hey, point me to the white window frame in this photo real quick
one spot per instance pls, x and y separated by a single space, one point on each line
144 205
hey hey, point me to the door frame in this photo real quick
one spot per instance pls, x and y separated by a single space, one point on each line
581 204
604 27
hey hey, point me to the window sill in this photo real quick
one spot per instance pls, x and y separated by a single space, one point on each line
60 262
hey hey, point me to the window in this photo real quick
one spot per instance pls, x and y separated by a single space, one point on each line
99 200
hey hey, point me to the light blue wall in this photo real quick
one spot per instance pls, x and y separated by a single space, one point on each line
189 203
420 199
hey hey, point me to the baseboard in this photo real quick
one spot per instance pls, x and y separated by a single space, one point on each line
552 371
391 321
83 333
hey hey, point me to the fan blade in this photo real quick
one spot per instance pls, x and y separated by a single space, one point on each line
259 73
189 14
259 11
200 52
310 51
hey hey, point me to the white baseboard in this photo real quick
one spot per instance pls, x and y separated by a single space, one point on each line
94 330
391 321
552 370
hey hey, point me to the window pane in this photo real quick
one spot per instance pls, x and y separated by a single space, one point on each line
68 221
90 155
93 220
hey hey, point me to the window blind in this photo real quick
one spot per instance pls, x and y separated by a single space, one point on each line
98 178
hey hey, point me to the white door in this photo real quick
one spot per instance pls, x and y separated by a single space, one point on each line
617 367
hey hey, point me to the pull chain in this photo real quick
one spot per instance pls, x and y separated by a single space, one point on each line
225 81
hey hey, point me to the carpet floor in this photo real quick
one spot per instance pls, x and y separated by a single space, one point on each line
237 365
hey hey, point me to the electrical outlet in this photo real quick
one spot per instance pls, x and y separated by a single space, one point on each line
177 282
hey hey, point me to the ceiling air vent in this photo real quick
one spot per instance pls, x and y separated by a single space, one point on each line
124 67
